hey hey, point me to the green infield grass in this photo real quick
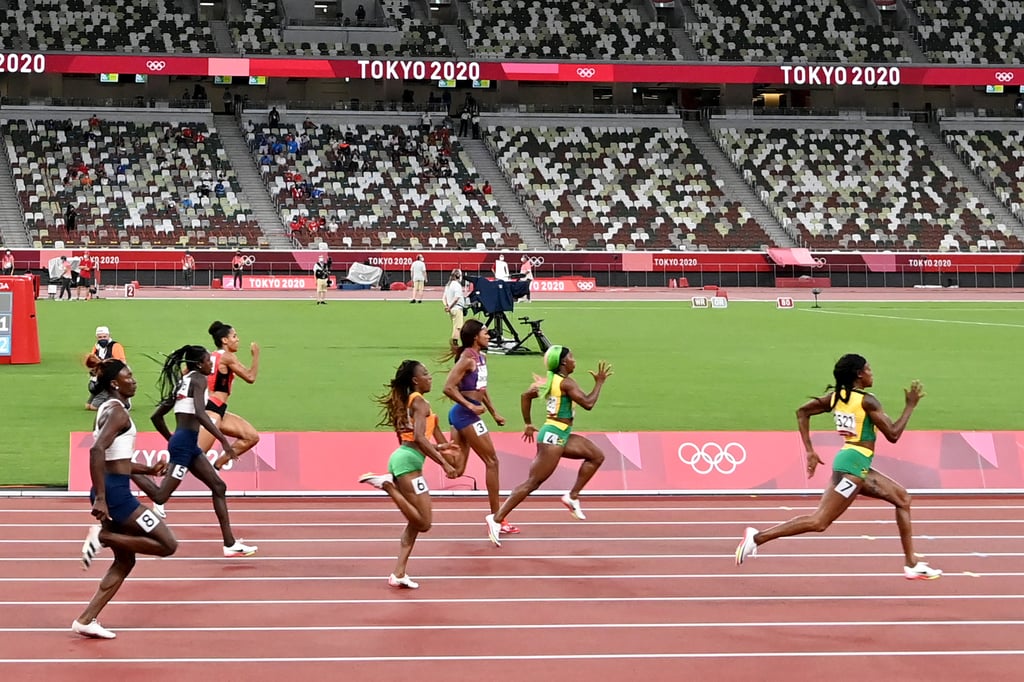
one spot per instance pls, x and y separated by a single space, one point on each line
676 368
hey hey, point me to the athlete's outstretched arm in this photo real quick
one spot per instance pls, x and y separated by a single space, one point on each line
892 431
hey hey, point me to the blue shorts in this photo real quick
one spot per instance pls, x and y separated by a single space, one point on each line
120 501
460 417
183 447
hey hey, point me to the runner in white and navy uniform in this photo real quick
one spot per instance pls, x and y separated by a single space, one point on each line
186 396
128 527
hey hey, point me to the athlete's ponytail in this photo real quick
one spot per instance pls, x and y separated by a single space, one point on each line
394 402
170 374
845 374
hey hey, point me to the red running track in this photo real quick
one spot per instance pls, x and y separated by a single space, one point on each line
645 589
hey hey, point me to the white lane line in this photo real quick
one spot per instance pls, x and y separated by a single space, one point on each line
520 657
901 318
244 508
408 599
549 626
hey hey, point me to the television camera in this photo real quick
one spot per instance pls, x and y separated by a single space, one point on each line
495 298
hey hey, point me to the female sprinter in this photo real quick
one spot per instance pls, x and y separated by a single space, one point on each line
128 528
186 395
406 411
556 439
467 386
857 414
225 368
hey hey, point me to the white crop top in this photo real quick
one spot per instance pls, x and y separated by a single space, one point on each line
123 446
183 403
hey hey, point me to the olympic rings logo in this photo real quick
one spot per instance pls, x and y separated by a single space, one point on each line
154 65
248 261
820 263
537 261
584 286
586 72
1004 76
712 457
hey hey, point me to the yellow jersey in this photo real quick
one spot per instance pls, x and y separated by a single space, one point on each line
852 422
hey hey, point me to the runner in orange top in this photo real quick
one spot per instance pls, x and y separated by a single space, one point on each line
226 367
419 436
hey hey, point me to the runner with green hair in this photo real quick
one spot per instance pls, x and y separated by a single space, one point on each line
555 438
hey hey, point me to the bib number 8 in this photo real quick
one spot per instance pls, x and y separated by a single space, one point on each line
147 521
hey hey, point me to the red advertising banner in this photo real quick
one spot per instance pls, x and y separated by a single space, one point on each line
807 75
687 461
270 282
564 284
289 262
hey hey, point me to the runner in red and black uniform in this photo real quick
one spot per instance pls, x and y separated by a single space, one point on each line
226 367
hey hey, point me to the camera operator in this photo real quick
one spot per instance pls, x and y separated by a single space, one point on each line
105 348
322 272
455 303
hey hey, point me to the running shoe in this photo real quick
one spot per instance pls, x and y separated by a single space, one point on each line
508 529
239 549
747 547
574 507
159 510
92 629
493 530
376 480
921 571
405 581
91 547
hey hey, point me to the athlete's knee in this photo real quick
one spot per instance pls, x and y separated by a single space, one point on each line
819 523
168 546
124 563
218 487
423 526
597 457
901 498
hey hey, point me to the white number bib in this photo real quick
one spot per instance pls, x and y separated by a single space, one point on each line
178 471
551 438
479 427
419 484
846 423
147 521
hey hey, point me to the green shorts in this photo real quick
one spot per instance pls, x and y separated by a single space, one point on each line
550 434
405 460
852 460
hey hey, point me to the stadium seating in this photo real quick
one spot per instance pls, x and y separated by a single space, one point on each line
971 31
156 26
621 189
260 32
132 184
393 197
566 29
997 157
861 189
796 31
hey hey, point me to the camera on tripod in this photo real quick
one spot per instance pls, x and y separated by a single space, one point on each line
495 298
536 332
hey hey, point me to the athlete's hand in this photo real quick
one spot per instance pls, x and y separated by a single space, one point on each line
159 468
229 452
478 409
529 432
812 462
498 419
449 470
99 510
604 370
254 348
914 394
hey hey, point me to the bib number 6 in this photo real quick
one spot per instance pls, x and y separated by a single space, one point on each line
419 484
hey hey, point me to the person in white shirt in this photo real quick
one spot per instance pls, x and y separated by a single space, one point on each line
418 271
455 303
501 269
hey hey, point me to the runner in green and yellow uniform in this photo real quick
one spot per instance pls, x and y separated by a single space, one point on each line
555 438
857 415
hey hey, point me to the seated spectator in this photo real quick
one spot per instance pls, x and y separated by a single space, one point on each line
469 189
487 189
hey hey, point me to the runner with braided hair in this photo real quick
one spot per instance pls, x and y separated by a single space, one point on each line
857 415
